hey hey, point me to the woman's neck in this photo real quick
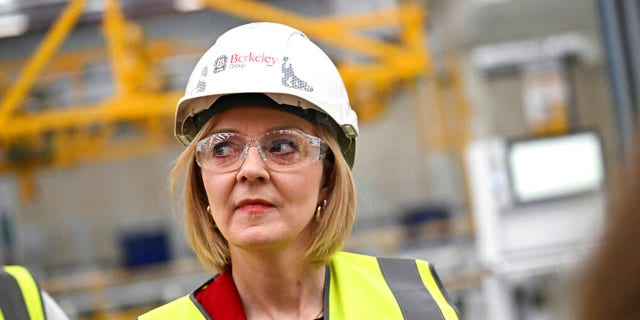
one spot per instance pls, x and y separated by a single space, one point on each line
278 287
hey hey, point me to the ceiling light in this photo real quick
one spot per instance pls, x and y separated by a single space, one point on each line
13 25
187 5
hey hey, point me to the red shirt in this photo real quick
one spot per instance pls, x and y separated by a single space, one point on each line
220 298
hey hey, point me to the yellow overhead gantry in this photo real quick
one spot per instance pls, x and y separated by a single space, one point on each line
63 136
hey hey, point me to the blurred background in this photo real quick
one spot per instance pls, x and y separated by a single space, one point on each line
490 130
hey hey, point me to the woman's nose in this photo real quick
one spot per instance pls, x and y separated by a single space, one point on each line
253 168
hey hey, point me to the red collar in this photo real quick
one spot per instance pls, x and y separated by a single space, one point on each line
220 298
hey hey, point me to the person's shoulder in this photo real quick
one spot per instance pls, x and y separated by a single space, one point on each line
180 308
359 257
348 262
164 309
185 307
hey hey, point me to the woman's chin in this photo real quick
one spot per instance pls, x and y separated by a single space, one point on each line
256 240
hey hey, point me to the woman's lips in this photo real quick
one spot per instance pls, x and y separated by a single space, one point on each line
254 206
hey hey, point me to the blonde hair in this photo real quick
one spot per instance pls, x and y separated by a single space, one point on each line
330 233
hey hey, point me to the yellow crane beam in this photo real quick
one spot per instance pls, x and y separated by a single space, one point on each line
56 35
135 108
337 31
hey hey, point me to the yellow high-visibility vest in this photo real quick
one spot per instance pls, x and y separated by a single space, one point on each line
359 287
20 297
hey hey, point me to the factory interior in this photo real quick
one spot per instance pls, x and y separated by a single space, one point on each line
490 131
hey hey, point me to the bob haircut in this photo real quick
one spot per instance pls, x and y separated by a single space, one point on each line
330 233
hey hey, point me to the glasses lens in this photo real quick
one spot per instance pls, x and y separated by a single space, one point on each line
284 148
221 151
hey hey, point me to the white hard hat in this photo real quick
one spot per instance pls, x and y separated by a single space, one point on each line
277 61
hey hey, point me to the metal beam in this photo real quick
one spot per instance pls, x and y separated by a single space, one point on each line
56 35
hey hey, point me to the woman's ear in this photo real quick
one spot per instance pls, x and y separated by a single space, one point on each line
327 168
324 192
325 183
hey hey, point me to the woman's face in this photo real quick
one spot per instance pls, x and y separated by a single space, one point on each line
254 207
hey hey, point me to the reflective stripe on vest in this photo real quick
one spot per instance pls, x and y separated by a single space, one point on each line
366 287
20 296
417 289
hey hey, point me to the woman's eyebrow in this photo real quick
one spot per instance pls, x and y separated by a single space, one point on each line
223 130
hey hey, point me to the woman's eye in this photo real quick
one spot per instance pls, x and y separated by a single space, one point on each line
224 149
283 147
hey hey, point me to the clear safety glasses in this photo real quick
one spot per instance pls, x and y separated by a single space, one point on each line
279 149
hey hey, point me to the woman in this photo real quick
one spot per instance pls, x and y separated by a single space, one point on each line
269 196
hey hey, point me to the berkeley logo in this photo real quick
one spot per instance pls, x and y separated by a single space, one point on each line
253 57
220 64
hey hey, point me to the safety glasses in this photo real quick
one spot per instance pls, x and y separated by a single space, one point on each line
279 149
